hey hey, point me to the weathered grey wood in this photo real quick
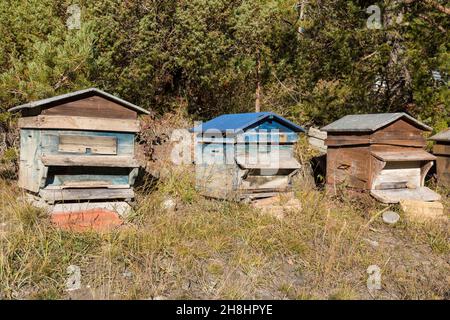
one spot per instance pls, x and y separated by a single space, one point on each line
88 184
317 133
80 144
395 195
318 144
265 182
133 175
267 162
31 169
52 195
79 123
44 174
90 161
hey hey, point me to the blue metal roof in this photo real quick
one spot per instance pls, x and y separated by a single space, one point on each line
242 121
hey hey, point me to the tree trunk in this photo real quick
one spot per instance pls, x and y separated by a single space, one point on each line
258 84
399 82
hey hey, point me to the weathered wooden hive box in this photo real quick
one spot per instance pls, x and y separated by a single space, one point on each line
441 150
78 146
248 155
383 153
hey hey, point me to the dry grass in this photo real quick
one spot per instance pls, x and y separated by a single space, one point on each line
210 249
222 250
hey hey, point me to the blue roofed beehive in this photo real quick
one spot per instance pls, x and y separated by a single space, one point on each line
247 155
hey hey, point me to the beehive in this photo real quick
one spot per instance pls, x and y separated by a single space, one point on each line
383 153
249 155
441 150
78 147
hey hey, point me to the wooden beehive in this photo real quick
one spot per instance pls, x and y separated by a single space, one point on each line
441 150
248 155
383 153
78 146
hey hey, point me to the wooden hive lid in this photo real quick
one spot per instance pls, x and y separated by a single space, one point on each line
442 136
371 122
403 155
74 96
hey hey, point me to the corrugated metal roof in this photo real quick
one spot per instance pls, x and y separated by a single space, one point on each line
93 91
242 121
442 136
370 122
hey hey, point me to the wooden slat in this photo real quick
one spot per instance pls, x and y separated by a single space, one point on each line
94 106
90 161
88 185
316 133
51 195
419 155
265 182
441 149
80 144
79 123
317 144
335 141
395 195
350 166
265 162
400 142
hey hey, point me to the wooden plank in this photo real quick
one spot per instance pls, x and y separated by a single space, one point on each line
265 182
31 170
50 140
349 166
133 176
94 106
87 185
400 125
334 141
418 155
70 175
400 142
90 161
269 137
422 211
80 144
267 162
79 123
52 195
317 144
396 195
316 133
257 195
441 149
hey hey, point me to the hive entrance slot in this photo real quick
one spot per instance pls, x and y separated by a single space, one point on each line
87 177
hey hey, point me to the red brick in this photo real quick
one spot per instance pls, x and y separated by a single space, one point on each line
93 219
